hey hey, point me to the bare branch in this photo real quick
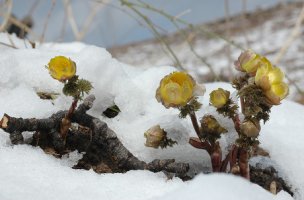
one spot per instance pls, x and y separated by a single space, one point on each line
292 37
21 25
71 18
6 15
47 21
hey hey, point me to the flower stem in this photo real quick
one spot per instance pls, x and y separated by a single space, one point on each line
213 148
72 109
195 124
66 121
243 163
237 123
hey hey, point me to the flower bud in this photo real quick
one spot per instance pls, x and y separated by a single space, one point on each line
235 169
273 187
219 97
211 126
250 128
248 61
154 136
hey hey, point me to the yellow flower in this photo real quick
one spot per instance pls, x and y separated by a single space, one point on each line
270 79
177 89
249 62
219 97
61 68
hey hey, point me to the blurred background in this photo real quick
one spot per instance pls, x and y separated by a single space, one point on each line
202 37
113 24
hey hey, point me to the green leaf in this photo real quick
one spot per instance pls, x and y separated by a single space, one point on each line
84 86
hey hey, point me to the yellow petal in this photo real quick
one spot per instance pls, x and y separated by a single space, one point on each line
275 75
277 93
172 93
252 65
266 63
261 77
187 90
281 90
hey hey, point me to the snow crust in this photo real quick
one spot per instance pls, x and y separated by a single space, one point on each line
28 173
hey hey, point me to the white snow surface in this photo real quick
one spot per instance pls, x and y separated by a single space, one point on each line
28 173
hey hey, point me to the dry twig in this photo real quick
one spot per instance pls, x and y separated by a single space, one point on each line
6 15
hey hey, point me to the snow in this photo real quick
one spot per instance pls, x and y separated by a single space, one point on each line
231 188
28 173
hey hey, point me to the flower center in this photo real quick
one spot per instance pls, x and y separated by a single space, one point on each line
173 91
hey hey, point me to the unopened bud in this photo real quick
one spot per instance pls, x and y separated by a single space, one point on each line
235 169
219 97
250 128
154 136
248 61
211 126
273 187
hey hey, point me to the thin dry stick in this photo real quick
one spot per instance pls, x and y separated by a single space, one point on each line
88 22
244 11
10 40
21 25
292 37
191 26
7 15
155 32
33 7
140 23
72 21
8 45
63 27
175 20
192 49
80 34
228 33
47 21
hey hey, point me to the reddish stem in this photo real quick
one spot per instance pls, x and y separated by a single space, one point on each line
237 123
216 157
208 146
225 162
195 124
197 143
243 163
72 109
214 150
66 122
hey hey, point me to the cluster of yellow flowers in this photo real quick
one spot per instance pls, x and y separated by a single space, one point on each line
266 76
178 88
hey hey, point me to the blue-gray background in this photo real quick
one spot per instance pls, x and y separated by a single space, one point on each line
113 27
